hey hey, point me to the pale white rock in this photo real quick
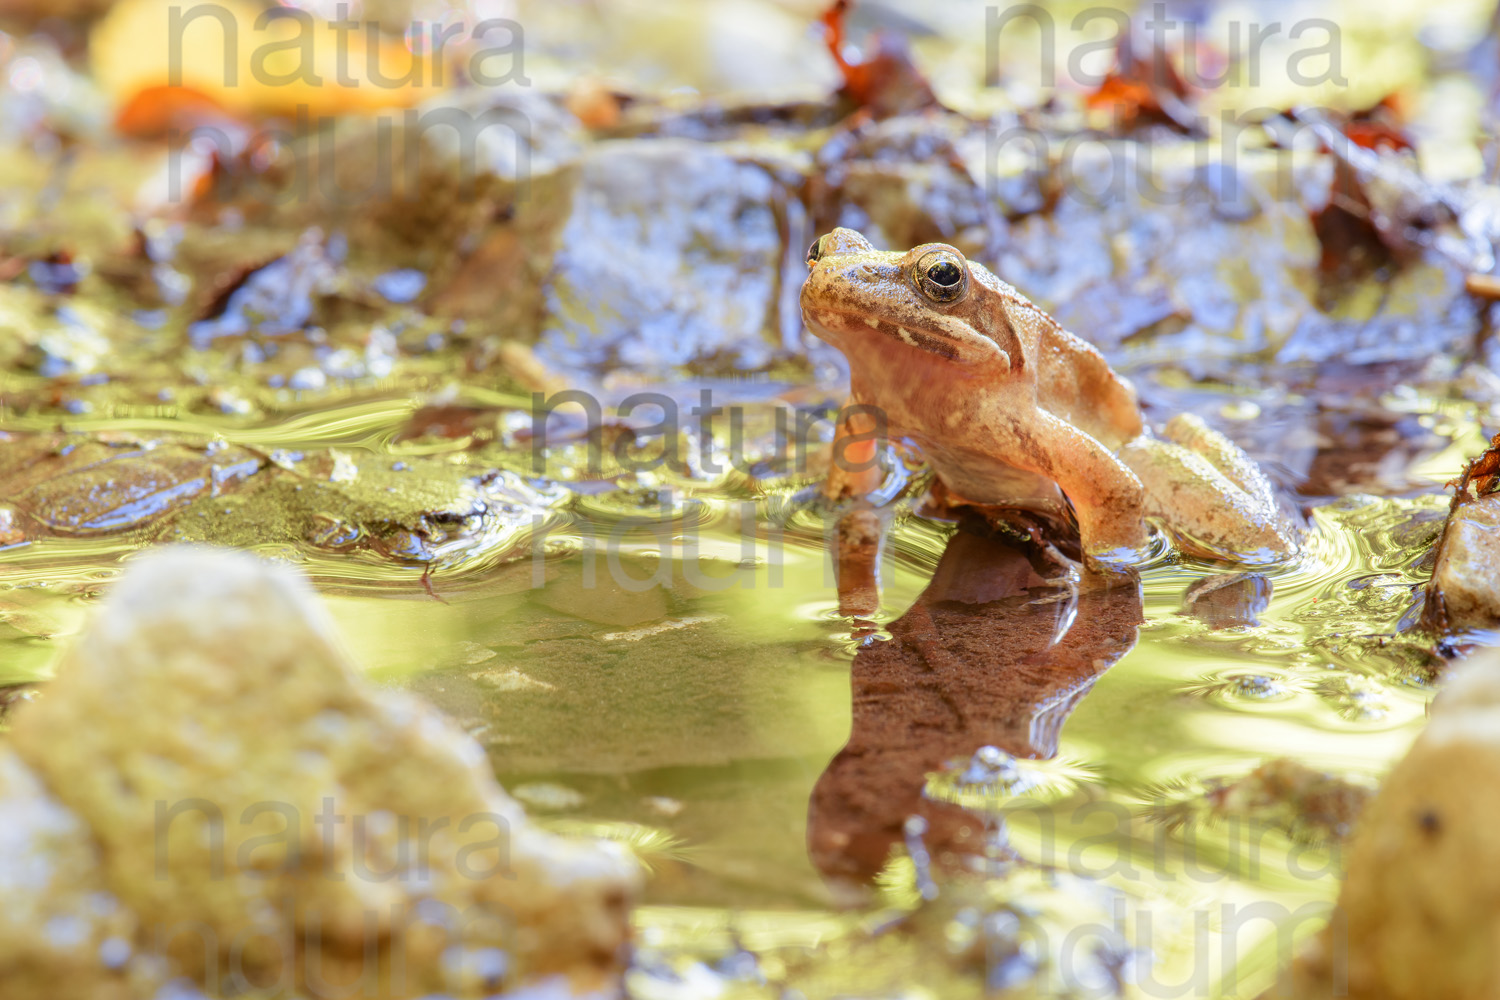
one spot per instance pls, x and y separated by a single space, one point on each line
210 758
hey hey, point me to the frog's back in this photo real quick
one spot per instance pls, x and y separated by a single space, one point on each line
1072 378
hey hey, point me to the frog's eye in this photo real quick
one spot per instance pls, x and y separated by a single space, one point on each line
941 276
815 252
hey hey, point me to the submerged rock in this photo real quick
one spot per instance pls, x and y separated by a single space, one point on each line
75 484
209 794
1228 600
424 511
1417 915
1307 804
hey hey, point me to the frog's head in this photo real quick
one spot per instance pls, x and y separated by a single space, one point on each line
929 299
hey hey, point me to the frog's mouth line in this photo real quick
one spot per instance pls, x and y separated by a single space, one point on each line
920 339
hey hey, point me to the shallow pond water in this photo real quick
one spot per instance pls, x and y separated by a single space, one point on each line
829 806
679 677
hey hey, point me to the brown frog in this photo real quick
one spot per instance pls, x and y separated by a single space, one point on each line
1012 410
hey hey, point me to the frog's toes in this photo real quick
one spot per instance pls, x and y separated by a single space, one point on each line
1100 576
1067 591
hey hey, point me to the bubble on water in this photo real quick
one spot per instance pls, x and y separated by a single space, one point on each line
66 931
25 74
400 286
114 952
1258 686
990 766
914 829
548 795
1230 688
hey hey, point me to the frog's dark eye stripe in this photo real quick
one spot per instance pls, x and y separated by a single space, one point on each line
941 276
933 345
921 339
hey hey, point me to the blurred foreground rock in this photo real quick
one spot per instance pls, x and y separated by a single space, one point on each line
209 795
1420 909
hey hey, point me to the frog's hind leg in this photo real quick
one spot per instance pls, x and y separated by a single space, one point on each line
1189 430
1210 494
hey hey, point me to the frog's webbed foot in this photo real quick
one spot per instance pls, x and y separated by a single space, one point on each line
1075 577
1211 495
941 502
1071 571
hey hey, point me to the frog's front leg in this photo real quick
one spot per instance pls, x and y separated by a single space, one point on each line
854 471
857 541
1106 496
1210 493
854 466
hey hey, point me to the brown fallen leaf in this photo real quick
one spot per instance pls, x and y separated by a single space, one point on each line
161 112
1483 473
133 53
1352 245
1380 126
1145 88
594 103
1381 212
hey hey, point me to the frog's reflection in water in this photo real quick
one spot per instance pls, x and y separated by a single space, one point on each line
981 658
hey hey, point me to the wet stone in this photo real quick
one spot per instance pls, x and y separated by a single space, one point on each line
1229 600
1465 588
1307 804
1161 268
672 255
909 180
